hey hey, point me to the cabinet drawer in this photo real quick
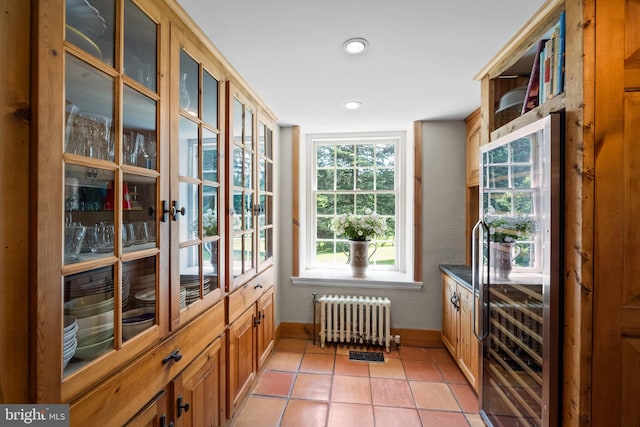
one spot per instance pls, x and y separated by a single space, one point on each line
248 294
119 398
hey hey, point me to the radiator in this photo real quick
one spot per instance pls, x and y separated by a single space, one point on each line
358 320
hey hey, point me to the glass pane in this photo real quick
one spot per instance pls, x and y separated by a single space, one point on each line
324 253
248 251
248 129
521 176
261 138
237 256
385 155
237 211
385 179
325 156
89 202
365 155
364 202
139 229
139 313
188 83
210 211
209 155
498 177
345 203
248 211
209 99
268 209
499 203
188 223
499 154
189 275
139 129
325 203
88 317
265 245
188 146
269 144
140 35
90 27
262 211
386 204
385 254
325 179
523 203
269 177
323 228
364 180
248 170
262 172
89 126
211 266
237 165
238 121
345 155
521 150
344 179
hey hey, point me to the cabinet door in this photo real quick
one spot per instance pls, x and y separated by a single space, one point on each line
265 193
241 358
198 392
265 327
468 346
449 315
196 181
155 414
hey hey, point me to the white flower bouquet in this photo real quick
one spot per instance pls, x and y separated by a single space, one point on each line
359 227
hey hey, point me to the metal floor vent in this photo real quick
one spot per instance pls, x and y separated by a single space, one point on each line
366 356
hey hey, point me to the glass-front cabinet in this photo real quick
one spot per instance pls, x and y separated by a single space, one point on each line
196 181
250 150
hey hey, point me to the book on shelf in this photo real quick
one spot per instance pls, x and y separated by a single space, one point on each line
531 97
547 73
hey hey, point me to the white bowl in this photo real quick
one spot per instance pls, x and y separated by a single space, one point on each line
95 334
94 350
89 305
97 320
69 323
137 320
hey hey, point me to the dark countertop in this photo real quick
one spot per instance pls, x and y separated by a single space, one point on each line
459 273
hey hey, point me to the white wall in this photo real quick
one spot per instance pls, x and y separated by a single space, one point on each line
443 218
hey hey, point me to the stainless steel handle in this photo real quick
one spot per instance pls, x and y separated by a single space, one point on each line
477 279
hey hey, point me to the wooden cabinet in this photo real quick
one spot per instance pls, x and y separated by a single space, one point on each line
242 356
457 328
130 238
473 148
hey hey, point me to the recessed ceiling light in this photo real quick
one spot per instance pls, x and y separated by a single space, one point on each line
353 105
355 46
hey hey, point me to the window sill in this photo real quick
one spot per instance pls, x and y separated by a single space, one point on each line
342 279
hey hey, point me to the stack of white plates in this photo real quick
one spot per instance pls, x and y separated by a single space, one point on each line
137 320
191 284
126 288
69 341
183 298
145 298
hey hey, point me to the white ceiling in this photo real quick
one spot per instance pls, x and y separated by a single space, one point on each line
420 63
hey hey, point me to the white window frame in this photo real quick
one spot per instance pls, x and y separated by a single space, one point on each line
404 209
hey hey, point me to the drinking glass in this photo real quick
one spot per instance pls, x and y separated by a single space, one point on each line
141 232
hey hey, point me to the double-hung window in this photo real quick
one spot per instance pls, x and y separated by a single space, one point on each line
352 174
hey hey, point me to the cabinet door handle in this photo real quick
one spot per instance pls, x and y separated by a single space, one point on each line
163 422
175 211
175 356
165 211
182 406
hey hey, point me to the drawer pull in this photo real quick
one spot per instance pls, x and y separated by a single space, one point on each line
175 356
258 286
182 406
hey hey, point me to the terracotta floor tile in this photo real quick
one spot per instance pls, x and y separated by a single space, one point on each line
422 370
351 389
466 397
441 419
284 361
451 373
350 415
303 413
440 355
274 383
390 392
391 368
312 387
260 411
317 363
414 353
344 366
396 417
329 348
475 420
291 344
433 396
